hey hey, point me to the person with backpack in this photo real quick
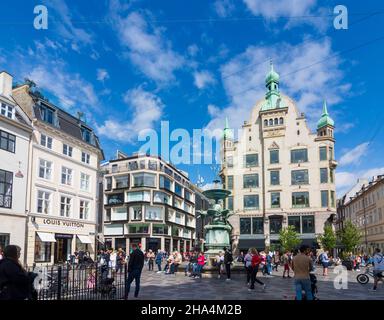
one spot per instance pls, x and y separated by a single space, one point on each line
255 263
325 262
378 268
228 259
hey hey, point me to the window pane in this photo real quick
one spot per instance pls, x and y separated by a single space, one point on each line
324 198
323 175
275 225
250 181
230 203
229 182
122 182
274 156
300 199
323 153
308 224
299 155
257 225
251 201
275 177
275 199
251 160
295 222
299 177
245 225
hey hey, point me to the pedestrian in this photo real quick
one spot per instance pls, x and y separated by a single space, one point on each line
228 259
158 260
219 259
177 261
248 265
276 260
378 268
193 261
255 264
15 282
302 266
286 262
269 263
325 262
151 259
358 262
240 258
263 263
169 267
135 266
200 265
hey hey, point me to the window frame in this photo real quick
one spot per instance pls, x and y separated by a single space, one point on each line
297 150
7 137
8 191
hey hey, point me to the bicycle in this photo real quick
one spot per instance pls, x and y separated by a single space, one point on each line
363 278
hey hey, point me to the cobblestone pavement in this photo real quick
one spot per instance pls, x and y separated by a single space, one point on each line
159 286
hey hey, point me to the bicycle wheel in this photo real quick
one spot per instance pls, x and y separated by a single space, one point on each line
362 279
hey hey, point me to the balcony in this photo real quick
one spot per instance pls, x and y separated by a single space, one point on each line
333 164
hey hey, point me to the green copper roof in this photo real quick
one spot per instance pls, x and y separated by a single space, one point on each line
325 119
272 95
272 76
228 133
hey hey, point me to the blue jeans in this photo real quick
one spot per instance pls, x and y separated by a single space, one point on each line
303 284
269 268
135 274
158 265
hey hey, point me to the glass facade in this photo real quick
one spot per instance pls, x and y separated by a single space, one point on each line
144 180
165 183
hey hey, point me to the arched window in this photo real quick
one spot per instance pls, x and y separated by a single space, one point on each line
276 121
271 122
265 123
281 121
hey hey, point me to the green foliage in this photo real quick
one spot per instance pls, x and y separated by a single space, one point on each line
349 237
289 238
328 239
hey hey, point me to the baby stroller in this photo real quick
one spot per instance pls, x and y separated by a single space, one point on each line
106 287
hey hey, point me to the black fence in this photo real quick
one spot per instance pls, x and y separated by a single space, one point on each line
80 282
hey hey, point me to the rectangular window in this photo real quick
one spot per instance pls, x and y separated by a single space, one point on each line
251 201
43 202
108 183
257 225
138 229
187 195
308 224
84 210
45 169
7 141
273 156
7 111
84 181
165 183
178 189
331 175
133 165
323 175
275 225
295 222
152 165
245 225
324 198
299 155
275 200
275 178
251 160
42 250
47 114
230 203
160 229
116 198
323 153
136 213
67 150
122 182
229 182
180 218
299 177
161 197
230 162
300 199
66 176
6 183
153 213
250 181
86 135
330 150
139 196
85 157
65 206
144 180
332 199
46 141
4 239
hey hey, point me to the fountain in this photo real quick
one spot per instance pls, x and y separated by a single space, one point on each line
218 231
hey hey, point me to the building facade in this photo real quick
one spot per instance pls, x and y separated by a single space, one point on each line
148 202
364 206
279 172
15 134
62 199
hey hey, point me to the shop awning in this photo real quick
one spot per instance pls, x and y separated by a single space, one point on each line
46 237
84 239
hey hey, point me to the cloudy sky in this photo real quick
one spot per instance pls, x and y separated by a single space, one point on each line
128 65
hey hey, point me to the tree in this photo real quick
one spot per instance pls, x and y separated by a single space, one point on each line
349 236
289 238
328 239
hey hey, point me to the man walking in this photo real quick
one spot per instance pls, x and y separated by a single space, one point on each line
378 268
228 259
302 265
135 266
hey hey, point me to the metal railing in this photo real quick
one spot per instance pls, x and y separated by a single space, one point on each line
80 282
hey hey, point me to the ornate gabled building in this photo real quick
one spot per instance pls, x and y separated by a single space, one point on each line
279 172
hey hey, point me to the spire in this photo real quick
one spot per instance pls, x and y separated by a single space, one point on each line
325 111
325 119
272 84
228 134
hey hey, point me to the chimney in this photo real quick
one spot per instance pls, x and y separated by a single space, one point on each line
5 84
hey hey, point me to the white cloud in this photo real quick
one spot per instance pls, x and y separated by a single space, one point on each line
223 8
213 110
300 10
202 79
102 75
354 155
244 79
193 49
146 111
147 48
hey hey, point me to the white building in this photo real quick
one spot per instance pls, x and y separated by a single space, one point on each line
279 172
15 133
62 191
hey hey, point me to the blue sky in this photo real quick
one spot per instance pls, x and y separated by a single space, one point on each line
131 64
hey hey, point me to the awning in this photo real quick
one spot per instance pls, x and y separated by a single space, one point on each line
84 239
46 237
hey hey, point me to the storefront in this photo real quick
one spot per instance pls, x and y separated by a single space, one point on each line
54 240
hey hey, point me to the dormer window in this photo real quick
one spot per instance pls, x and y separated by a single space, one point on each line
265 123
47 114
86 134
276 121
7 111
281 121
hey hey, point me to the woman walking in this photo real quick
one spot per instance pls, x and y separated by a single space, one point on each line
248 266
255 263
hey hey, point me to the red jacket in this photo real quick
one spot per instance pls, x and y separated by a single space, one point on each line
255 260
201 260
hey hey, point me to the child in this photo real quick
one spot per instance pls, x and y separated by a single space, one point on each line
91 280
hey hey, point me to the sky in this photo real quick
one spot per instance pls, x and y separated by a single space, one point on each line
129 65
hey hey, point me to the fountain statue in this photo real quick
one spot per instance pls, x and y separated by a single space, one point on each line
217 235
